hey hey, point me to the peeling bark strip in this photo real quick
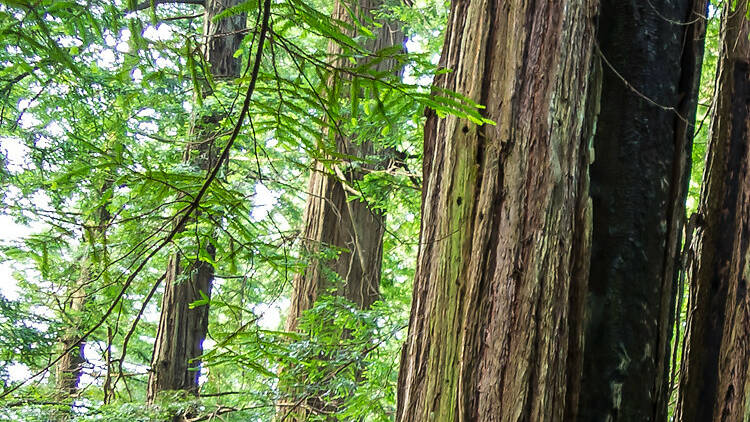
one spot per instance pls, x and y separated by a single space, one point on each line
331 221
717 352
495 329
652 52
179 339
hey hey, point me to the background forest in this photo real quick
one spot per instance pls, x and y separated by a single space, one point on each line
99 103
162 166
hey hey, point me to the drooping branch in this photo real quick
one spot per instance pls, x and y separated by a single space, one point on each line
148 3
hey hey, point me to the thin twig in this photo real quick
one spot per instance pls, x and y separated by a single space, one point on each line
636 91
146 4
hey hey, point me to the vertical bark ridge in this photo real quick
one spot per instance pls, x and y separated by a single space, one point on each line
581 258
505 219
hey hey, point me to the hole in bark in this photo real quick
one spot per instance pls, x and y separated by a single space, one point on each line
730 393
465 129
741 290
459 201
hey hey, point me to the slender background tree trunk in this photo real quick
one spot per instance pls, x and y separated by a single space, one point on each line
496 319
179 339
68 370
651 57
332 221
716 356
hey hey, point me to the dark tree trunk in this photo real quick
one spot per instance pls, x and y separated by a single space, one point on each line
179 339
332 221
717 352
496 319
651 57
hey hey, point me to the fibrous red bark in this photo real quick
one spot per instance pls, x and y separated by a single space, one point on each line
495 328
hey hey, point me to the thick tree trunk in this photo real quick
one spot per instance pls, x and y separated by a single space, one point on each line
496 319
651 53
179 339
332 221
717 352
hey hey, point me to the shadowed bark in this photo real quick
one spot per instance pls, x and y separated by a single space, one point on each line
717 349
651 53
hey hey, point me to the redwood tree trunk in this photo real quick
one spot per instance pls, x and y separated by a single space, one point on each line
717 351
496 319
651 53
351 228
181 332
332 221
